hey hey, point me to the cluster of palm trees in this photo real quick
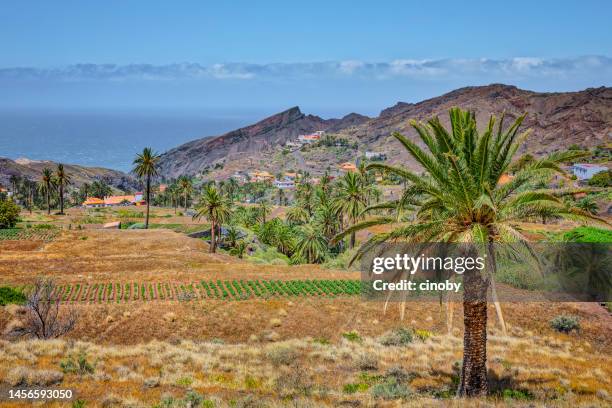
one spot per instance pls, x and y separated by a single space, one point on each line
54 182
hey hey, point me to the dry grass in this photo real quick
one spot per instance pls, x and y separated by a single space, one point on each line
282 352
304 368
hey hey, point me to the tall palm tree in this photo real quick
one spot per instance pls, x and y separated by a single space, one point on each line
216 209
173 193
231 187
351 200
46 183
281 196
460 199
263 209
311 245
62 180
145 167
186 187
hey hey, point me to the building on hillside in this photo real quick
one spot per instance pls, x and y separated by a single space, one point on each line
290 176
93 202
163 188
584 171
311 138
284 184
375 156
346 167
260 176
505 179
240 177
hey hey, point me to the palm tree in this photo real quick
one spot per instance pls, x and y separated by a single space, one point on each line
145 167
263 210
186 188
587 204
232 236
311 245
216 209
281 196
62 180
297 215
351 200
231 187
460 199
239 249
46 182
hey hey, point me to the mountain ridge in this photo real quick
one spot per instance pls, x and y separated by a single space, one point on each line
557 120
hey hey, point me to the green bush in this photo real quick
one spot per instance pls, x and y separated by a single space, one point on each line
9 296
352 336
77 365
400 336
601 179
390 389
588 234
565 323
9 214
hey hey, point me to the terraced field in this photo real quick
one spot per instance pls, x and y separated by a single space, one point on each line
28 234
212 290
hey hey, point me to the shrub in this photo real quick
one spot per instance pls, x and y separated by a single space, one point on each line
398 373
601 179
9 296
565 324
390 389
281 355
401 336
9 214
367 362
78 365
352 336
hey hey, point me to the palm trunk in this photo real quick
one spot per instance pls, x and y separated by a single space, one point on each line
473 381
185 201
353 238
61 199
148 196
213 242
48 202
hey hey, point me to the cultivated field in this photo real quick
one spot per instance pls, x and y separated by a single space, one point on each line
162 318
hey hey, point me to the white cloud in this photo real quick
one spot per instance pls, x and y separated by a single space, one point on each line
497 69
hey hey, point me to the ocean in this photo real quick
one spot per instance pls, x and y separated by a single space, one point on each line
106 139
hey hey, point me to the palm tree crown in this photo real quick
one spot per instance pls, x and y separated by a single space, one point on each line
216 209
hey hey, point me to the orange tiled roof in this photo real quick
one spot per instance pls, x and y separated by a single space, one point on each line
119 199
348 166
504 179
93 201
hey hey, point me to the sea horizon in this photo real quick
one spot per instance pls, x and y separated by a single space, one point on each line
107 138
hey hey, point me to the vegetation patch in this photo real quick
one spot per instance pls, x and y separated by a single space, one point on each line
10 296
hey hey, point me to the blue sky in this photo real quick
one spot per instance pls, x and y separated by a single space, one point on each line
326 56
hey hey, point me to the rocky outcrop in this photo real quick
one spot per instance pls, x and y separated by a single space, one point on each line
191 158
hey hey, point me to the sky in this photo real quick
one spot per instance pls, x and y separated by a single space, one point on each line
328 57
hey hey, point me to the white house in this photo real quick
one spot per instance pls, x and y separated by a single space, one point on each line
284 184
584 171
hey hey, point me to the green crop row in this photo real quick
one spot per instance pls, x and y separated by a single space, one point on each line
219 289
29 234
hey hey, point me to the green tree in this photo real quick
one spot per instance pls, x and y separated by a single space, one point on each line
186 187
145 167
587 204
311 245
62 180
601 179
263 210
297 215
351 200
216 209
46 184
461 200
9 213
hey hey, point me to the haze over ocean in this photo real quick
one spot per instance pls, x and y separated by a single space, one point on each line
104 138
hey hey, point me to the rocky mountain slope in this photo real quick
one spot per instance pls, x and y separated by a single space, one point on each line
556 120
192 157
32 170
